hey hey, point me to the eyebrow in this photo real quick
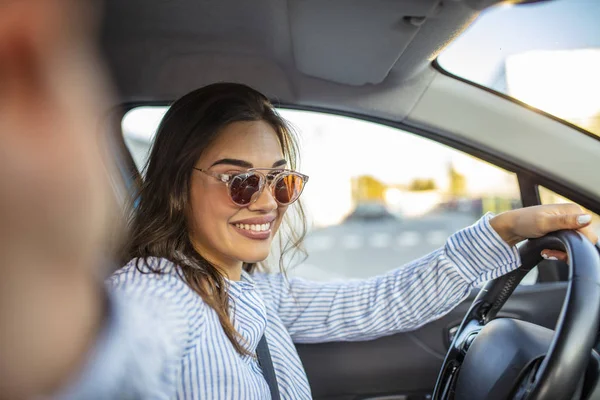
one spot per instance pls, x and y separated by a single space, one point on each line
244 164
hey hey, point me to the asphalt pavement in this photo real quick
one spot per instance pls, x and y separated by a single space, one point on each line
362 249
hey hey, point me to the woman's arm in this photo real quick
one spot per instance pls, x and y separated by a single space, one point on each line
403 299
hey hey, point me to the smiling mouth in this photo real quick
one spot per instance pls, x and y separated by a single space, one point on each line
254 231
254 227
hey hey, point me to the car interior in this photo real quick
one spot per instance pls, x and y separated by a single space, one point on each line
377 62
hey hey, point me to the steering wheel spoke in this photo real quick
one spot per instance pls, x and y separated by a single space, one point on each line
528 381
463 338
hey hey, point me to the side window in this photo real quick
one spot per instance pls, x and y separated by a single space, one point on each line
139 127
549 197
377 198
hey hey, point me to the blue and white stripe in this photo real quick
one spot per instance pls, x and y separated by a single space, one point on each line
172 345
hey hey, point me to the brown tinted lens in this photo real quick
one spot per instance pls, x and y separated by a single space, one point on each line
288 188
243 187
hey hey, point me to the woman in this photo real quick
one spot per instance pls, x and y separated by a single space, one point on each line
219 181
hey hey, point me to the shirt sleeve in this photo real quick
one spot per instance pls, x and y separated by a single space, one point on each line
403 299
146 334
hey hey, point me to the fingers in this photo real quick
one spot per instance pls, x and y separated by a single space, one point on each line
554 255
567 216
561 255
589 233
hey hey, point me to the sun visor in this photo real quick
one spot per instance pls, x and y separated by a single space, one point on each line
333 40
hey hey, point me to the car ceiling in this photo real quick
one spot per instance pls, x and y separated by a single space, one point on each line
362 56
367 57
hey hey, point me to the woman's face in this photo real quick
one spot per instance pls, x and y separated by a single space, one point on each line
215 228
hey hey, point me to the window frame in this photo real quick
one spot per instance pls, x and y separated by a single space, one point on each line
437 66
527 178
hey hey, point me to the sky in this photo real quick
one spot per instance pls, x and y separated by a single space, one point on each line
504 30
545 54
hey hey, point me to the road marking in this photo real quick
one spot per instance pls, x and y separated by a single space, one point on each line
408 239
437 238
352 242
380 240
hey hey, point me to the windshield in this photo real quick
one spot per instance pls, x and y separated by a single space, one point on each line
546 55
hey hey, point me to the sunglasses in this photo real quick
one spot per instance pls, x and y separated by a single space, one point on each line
245 187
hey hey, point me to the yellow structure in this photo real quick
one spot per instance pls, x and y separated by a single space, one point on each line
367 189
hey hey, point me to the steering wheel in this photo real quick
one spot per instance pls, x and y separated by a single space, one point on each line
506 358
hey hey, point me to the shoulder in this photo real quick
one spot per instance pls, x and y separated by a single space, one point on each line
271 285
146 269
155 280
154 299
262 279
151 272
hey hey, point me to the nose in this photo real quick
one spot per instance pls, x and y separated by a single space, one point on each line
265 201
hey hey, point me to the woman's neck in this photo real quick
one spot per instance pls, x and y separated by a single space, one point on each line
233 273
231 270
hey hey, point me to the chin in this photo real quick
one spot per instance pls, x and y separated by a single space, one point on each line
250 250
254 258
254 255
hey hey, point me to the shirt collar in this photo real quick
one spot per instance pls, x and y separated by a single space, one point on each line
244 284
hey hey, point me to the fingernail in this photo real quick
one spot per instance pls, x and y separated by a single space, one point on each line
584 219
547 257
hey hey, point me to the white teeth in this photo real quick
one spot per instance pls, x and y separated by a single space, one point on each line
254 227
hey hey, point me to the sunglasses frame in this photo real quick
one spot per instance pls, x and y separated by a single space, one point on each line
227 178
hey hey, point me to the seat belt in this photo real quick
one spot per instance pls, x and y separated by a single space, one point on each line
264 360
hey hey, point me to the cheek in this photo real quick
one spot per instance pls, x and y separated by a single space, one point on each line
210 211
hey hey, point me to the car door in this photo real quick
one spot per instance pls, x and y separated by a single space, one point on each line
391 197
405 365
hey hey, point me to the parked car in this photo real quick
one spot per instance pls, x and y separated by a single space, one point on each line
366 212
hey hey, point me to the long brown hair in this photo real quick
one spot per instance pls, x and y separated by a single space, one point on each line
158 224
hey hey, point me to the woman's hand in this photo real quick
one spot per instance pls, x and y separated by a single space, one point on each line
534 222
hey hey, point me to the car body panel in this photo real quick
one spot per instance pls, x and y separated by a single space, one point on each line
407 364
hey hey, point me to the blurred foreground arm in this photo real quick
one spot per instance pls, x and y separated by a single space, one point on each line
56 203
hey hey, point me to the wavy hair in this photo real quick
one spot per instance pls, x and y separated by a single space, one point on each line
158 226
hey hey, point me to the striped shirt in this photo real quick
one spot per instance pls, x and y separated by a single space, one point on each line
162 341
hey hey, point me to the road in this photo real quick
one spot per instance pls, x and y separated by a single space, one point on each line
369 248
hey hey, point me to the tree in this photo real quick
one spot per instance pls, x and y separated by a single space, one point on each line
458 182
366 188
418 185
